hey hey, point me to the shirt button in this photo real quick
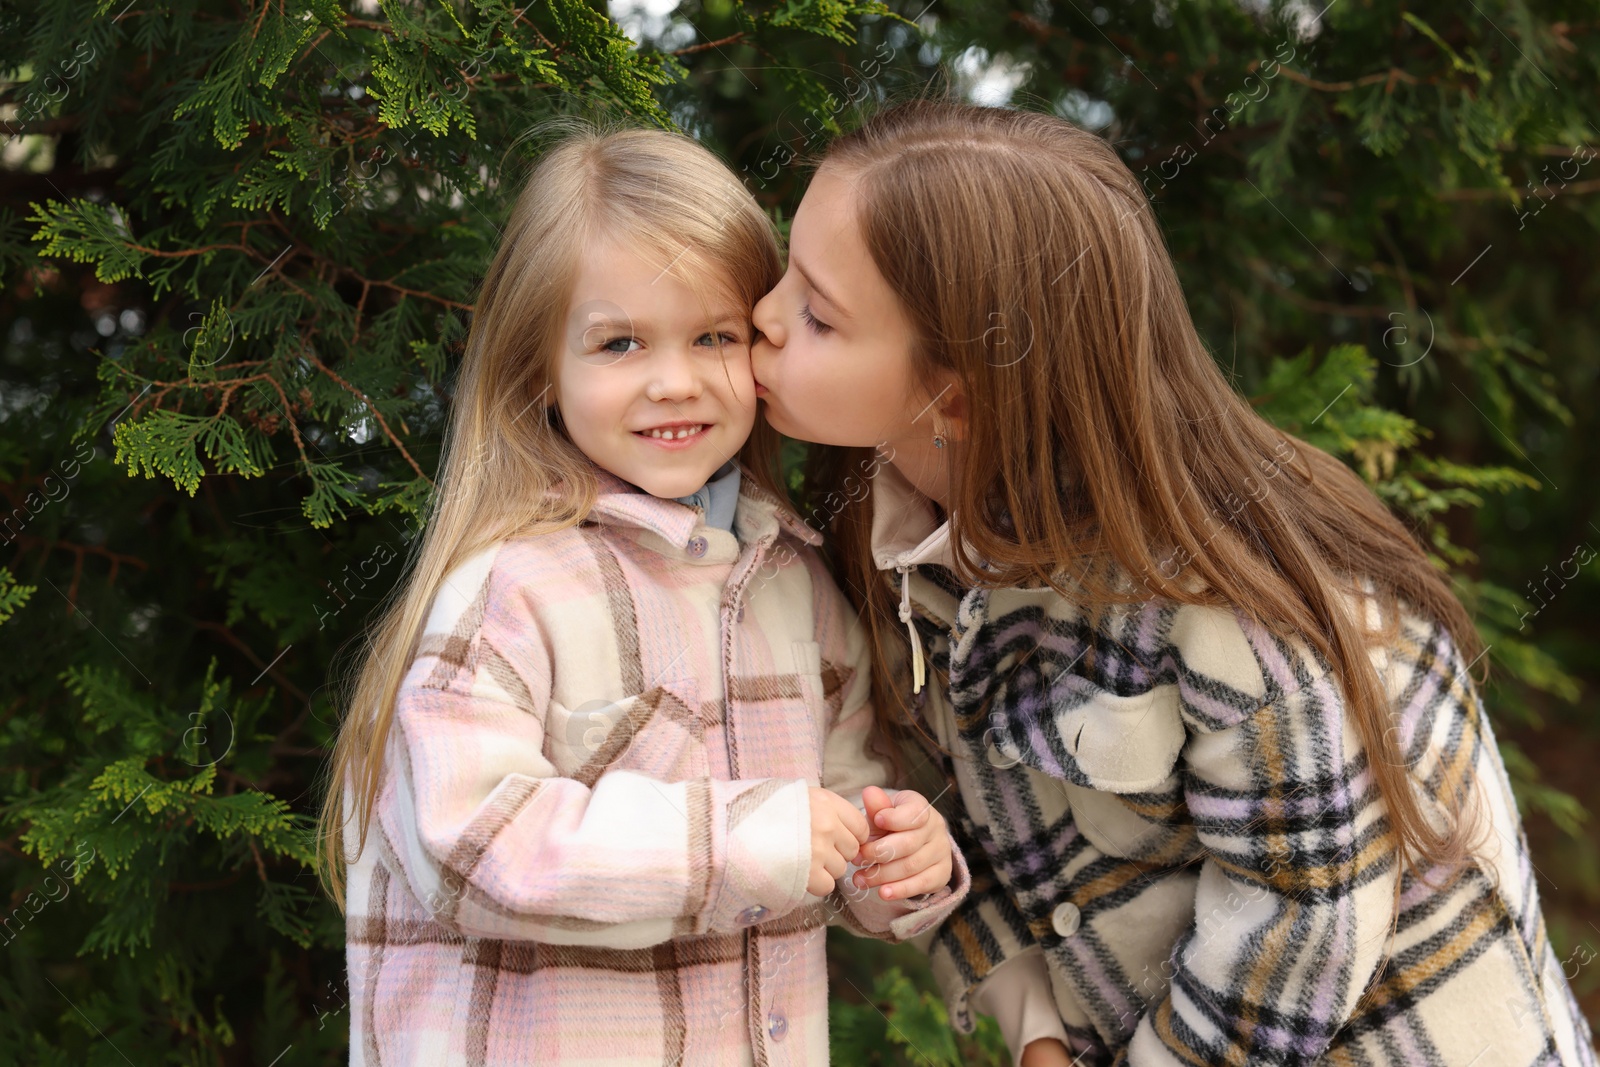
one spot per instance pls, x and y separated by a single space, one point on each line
697 546
740 616
777 1026
1066 919
752 915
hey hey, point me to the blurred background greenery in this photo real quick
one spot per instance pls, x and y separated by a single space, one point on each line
239 241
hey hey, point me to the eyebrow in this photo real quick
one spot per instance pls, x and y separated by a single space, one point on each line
819 289
730 317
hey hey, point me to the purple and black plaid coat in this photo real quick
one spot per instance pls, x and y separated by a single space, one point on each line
1171 805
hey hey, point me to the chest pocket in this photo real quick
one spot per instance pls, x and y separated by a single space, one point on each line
1100 739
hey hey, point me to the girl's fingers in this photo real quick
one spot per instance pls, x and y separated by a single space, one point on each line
898 870
835 864
874 799
890 847
846 842
837 823
911 811
935 877
855 823
884 873
904 843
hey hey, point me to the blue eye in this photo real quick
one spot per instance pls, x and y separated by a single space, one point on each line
608 346
815 324
722 338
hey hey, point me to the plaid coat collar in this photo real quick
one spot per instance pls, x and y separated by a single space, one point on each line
759 513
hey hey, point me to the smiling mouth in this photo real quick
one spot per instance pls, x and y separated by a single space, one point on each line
672 433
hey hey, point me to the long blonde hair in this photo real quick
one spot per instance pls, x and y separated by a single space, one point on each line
508 468
1031 264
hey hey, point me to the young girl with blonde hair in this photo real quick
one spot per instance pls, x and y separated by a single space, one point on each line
1225 783
605 772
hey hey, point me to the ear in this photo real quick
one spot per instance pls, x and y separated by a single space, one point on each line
544 404
952 404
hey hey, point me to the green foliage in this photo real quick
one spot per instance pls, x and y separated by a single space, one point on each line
884 1012
1378 442
171 443
12 595
85 232
121 818
898 1024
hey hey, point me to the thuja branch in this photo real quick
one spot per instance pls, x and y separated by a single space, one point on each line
376 414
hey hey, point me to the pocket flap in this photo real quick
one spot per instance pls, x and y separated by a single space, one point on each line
1097 738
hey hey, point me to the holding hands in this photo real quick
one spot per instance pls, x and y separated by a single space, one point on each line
909 853
901 843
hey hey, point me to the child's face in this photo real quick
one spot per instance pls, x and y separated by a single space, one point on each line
834 362
640 384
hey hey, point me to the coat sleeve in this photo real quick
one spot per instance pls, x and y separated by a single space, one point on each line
495 843
849 767
1294 898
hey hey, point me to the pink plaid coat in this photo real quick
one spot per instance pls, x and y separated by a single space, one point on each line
592 842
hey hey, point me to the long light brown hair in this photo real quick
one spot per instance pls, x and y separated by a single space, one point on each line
1032 266
508 468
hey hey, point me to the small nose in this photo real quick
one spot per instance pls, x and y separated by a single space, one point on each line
765 318
674 376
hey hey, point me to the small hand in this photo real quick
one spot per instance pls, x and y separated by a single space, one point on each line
837 831
1046 1052
910 851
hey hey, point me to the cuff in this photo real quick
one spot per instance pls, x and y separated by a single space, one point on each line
760 845
1018 994
901 920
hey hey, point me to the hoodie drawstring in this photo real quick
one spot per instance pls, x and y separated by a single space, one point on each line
918 670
